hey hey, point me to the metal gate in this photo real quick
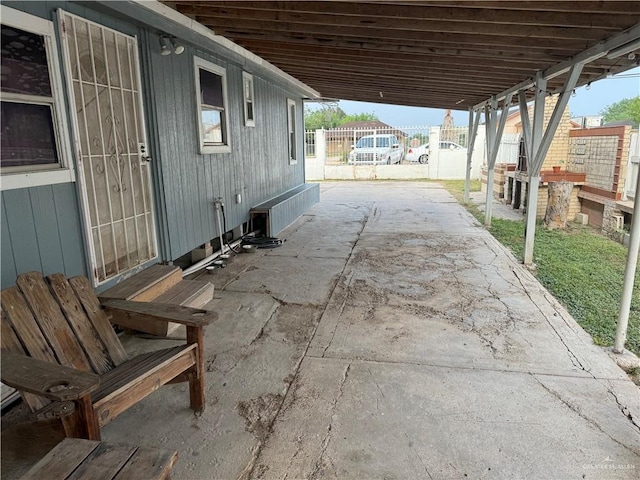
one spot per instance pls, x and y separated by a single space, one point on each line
103 72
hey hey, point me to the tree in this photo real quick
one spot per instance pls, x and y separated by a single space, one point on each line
332 116
627 109
327 116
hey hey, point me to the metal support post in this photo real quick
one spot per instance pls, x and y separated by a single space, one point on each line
473 130
530 222
496 137
629 274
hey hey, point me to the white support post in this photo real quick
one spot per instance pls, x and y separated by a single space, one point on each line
556 116
629 273
490 121
526 125
496 137
534 177
471 141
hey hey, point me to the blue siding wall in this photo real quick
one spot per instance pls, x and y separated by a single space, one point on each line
257 167
41 231
42 226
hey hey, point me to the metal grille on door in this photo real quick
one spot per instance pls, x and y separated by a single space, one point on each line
103 71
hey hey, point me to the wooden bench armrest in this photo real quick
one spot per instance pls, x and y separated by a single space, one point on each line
123 310
46 379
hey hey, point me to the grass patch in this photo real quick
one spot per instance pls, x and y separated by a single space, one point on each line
581 268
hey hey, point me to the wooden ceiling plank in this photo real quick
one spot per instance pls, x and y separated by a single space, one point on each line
237 30
415 12
519 35
288 20
443 51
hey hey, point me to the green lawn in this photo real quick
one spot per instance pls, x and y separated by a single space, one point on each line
581 268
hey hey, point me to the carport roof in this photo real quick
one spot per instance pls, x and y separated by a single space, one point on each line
425 53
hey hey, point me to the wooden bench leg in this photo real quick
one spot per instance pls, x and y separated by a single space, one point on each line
196 382
87 422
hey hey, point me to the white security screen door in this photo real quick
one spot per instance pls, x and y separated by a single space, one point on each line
102 68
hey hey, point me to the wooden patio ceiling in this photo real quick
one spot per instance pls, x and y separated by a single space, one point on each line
439 54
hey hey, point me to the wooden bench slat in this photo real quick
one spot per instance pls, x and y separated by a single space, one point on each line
138 378
10 343
98 319
51 320
60 462
104 462
83 328
148 463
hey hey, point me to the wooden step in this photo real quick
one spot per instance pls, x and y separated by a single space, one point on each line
145 285
188 293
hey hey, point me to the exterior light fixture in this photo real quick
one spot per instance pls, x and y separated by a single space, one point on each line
573 94
177 47
588 86
164 48
165 40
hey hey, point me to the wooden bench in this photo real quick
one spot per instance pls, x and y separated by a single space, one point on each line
77 458
59 349
279 212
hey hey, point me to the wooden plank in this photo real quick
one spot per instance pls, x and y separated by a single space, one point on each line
51 321
123 311
15 309
10 343
98 319
145 381
188 293
62 460
148 463
195 336
104 462
51 380
80 324
145 285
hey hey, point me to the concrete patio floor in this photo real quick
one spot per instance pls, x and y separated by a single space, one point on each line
392 337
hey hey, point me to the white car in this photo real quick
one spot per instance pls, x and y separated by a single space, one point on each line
418 154
376 150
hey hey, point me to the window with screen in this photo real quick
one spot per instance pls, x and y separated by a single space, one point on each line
213 120
32 133
249 112
291 122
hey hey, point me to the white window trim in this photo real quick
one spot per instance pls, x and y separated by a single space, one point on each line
200 63
248 122
290 103
47 175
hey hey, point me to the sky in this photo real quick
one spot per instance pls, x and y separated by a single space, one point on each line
586 102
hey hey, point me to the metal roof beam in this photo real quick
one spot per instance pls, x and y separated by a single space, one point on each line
589 55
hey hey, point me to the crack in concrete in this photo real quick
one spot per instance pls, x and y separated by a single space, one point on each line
577 411
327 438
572 356
363 223
624 409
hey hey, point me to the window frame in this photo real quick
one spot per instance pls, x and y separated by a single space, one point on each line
292 131
24 176
248 122
200 63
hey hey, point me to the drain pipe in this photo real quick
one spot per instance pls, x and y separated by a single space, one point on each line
219 206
